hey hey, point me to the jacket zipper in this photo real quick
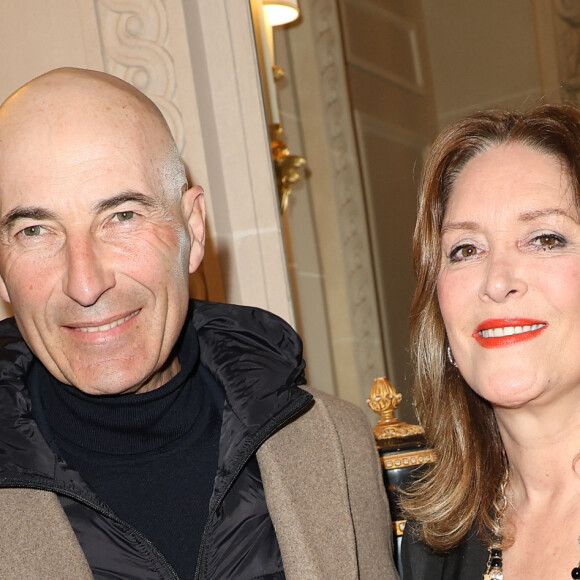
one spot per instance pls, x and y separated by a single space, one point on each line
299 407
14 483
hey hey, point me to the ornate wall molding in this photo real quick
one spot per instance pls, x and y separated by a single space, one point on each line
135 44
567 31
348 193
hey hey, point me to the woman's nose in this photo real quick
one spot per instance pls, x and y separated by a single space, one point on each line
504 277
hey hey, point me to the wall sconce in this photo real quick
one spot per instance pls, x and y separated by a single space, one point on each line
278 13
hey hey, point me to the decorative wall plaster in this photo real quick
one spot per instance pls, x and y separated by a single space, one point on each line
567 22
348 194
135 38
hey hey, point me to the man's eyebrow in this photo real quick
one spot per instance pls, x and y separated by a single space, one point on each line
25 212
124 197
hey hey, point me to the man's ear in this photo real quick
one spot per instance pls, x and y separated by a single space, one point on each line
4 291
193 207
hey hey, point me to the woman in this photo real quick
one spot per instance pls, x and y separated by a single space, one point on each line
496 335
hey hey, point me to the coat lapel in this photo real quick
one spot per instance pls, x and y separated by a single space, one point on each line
36 539
304 478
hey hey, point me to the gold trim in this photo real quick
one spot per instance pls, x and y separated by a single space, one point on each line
407 459
399 527
278 72
285 164
396 431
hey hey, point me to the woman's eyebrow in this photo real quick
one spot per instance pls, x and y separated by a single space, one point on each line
453 226
530 216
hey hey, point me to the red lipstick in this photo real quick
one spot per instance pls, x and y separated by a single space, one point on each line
500 332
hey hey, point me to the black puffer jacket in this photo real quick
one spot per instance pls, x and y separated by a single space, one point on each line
257 358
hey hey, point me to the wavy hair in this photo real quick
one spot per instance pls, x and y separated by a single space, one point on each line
461 489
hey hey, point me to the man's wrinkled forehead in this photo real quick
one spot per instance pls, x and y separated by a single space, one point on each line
62 116
80 97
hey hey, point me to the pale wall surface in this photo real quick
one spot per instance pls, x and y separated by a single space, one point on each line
483 54
196 59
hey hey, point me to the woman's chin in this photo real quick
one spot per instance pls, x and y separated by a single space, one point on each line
509 392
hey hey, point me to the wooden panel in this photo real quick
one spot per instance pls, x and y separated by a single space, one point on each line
391 158
380 42
392 97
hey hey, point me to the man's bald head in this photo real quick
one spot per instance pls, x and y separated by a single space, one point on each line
77 102
98 234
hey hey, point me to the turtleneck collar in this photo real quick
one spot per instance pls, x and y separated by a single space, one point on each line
127 424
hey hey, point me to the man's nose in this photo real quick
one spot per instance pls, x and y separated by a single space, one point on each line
88 275
504 276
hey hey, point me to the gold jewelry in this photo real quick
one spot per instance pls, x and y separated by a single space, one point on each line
494 570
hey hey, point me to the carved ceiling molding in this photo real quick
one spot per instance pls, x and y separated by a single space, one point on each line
347 190
567 28
135 37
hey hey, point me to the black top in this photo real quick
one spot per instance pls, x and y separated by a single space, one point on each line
256 359
466 562
152 457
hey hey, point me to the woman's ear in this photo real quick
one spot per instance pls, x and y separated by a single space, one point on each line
193 208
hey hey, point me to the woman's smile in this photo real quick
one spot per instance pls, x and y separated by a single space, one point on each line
506 332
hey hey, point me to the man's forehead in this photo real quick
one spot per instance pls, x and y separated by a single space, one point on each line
70 175
91 86
72 100
77 134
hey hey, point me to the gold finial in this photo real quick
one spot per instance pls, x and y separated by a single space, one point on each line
384 399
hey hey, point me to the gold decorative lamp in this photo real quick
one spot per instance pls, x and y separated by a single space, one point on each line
402 449
286 165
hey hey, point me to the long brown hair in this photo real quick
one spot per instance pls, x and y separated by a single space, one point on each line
461 488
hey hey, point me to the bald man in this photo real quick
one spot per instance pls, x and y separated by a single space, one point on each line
144 435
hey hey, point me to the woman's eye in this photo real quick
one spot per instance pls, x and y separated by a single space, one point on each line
548 241
462 252
124 216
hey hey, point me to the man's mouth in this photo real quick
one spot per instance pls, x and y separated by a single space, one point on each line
108 325
498 333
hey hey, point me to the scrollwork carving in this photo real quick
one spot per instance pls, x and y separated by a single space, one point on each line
568 10
347 188
134 36
567 31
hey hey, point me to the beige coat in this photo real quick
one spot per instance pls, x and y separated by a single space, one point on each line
323 488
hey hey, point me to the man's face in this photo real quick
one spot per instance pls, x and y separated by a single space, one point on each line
94 258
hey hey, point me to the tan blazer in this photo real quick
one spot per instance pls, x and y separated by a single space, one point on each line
326 496
324 491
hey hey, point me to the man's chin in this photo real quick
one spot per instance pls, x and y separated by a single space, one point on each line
106 380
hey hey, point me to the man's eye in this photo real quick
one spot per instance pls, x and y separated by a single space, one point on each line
124 216
31 231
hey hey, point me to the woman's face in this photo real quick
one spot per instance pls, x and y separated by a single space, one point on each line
509 284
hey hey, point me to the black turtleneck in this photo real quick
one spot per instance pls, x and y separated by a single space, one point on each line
152 457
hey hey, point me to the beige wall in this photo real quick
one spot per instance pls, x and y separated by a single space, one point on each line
483 54
363 128
196 59
411 67
326 223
